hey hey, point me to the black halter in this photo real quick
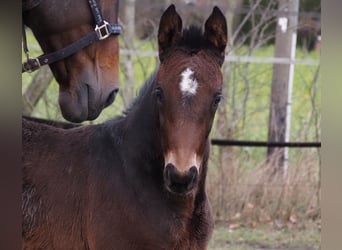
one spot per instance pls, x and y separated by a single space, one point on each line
102 30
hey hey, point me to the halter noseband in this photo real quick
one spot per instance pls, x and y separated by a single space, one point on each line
102 30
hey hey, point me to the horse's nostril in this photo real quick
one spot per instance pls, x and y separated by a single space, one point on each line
111 96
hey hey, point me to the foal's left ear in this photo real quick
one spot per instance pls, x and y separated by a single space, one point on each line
215 32
170 30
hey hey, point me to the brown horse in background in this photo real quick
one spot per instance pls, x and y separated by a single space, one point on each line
88 79
137 181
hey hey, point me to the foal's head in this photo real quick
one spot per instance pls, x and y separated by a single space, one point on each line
188 91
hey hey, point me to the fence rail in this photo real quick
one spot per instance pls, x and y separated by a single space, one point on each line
234 58
228 58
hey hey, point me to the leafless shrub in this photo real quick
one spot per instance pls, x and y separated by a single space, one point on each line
246 195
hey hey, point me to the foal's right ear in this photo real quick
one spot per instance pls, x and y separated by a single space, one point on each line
216 32
170 30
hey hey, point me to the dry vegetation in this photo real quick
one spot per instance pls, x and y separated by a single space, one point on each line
256 208
243 195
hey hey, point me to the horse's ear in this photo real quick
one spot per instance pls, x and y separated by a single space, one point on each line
170 30
216 32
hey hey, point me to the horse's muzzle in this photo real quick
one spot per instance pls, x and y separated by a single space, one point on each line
180 182
85 104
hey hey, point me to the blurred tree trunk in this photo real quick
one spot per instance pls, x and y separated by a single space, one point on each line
36 89
233 18
127 63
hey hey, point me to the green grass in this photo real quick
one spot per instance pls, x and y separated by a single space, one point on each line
263 238
260 79
252 124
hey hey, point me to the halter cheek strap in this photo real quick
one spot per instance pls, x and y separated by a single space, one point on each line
102 30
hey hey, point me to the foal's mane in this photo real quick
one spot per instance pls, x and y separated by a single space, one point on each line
144 92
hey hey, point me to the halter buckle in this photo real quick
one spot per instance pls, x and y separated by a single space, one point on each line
31 65
102 31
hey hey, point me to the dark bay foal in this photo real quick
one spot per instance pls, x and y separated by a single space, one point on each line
137 181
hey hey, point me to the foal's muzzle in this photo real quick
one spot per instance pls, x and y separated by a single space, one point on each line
178 182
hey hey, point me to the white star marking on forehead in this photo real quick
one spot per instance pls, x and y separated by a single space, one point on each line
188 84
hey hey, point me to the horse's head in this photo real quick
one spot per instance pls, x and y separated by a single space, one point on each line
88 79
188 91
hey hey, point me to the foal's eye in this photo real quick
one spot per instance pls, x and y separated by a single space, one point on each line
216 101
158 92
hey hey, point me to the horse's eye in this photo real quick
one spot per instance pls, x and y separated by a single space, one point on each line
216 101
158 92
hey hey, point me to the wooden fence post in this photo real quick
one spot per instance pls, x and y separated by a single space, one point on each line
280 105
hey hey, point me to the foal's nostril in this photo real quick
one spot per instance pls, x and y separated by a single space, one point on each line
192 177
193 174
111 97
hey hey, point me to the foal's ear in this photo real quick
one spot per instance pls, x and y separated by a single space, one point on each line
170 30
215 32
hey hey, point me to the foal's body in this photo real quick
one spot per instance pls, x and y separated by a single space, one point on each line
98 191
97 195
136 182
